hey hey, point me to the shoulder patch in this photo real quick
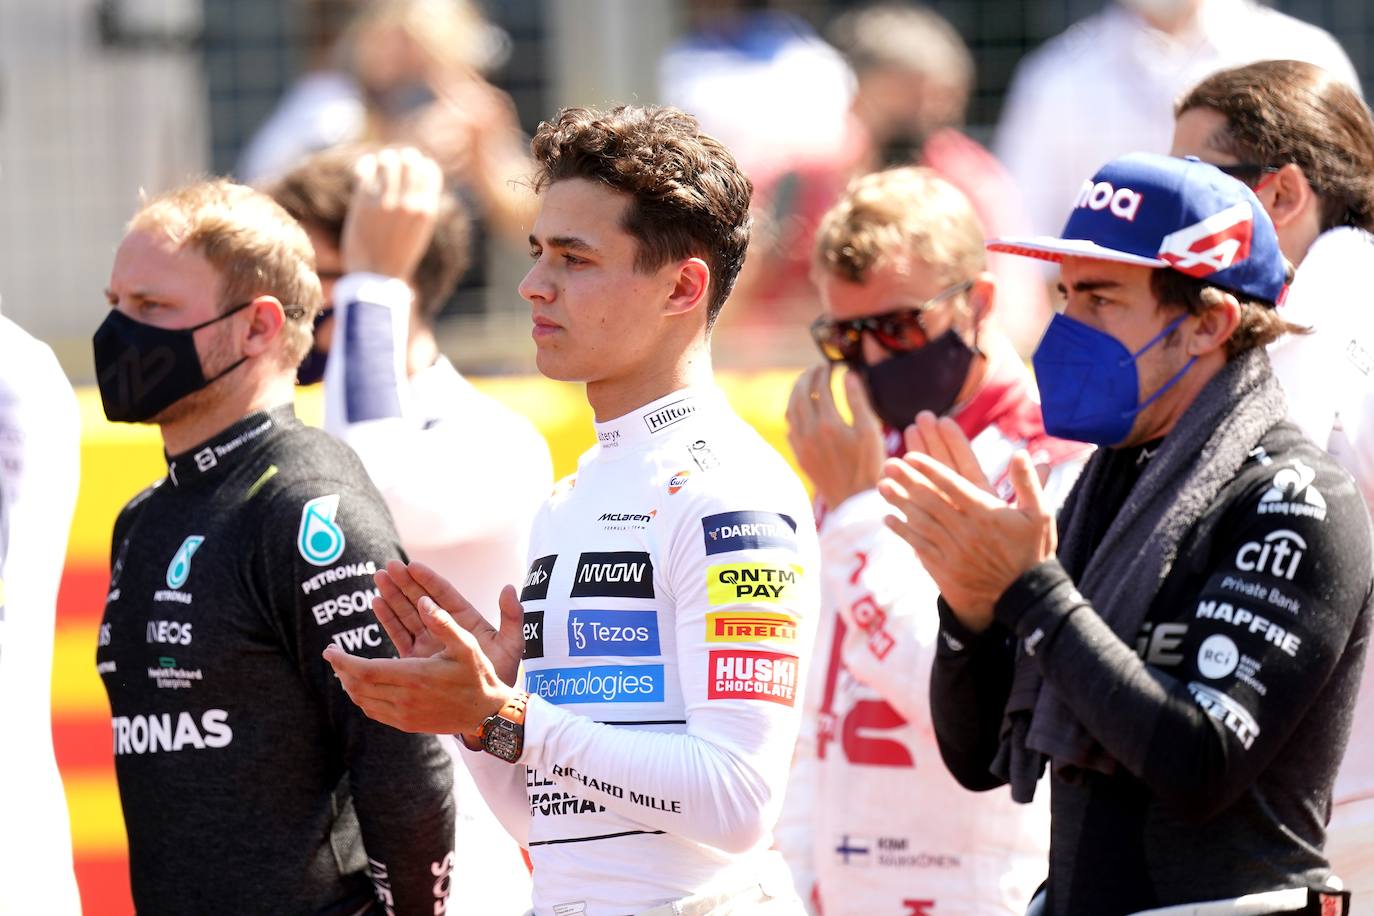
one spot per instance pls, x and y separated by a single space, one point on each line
320 540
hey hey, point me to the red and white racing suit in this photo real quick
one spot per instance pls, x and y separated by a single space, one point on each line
874 824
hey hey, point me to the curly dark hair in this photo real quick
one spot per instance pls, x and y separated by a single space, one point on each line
318 192
690 198
1282 111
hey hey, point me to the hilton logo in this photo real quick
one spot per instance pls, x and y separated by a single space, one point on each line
670 414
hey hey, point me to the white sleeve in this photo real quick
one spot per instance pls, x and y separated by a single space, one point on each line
721 783
795 834
447 479
886 601
503 789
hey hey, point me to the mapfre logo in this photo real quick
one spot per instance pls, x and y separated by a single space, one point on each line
1214 244
1123 203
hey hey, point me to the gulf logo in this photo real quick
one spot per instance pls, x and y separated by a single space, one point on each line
678 481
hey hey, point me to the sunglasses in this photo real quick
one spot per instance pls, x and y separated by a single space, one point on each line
1250 173
841 341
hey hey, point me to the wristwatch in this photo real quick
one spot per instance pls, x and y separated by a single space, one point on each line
503 733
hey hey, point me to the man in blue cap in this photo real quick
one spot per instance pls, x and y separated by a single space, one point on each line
1183 651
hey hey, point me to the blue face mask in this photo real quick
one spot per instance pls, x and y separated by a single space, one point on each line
1089 391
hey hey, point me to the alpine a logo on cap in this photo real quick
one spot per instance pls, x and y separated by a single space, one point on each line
1212 245
320 540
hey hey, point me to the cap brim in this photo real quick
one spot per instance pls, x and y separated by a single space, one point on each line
1049 248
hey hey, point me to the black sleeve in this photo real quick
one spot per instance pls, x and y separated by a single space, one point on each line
1247 654
321 543
970 681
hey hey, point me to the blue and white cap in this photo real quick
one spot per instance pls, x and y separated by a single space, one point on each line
1161 211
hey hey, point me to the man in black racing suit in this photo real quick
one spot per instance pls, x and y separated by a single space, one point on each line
249 782
1186 663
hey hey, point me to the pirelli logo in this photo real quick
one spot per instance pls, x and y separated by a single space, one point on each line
760 626
735 583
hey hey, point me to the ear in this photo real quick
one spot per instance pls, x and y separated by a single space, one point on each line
691 287
982 300
1214 327
1292 196
266 317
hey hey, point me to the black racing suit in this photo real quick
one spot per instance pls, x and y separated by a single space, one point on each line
250 782
1228 716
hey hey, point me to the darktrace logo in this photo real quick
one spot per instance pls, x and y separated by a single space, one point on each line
669 414
748 530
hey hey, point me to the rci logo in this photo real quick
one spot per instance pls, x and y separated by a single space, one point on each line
180 568
320 541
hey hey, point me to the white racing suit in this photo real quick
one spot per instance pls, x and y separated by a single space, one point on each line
670 606
874 824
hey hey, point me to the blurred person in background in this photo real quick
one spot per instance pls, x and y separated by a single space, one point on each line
249 782
40 435
462 475
409 72
1119 71
1304 142
873 820
1191 734
913 76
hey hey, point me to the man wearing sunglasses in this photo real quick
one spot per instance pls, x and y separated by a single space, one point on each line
899 265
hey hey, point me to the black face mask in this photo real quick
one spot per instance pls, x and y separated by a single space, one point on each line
142 369
311 369
927 378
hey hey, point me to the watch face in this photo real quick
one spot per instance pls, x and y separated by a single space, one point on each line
504 740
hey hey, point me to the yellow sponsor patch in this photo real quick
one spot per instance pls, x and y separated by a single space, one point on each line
740 626
733 583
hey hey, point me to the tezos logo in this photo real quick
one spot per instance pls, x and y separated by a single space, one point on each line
320 541
180 568
1214 244
1123 202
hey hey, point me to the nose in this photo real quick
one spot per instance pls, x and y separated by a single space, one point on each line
873 351
536 285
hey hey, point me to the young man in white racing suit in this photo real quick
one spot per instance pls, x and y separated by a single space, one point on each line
874 823
462 474
667 615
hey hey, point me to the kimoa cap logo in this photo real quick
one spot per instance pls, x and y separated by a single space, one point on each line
320 540
180 568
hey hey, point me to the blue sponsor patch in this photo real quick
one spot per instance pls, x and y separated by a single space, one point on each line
748 530
598 684
612 632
